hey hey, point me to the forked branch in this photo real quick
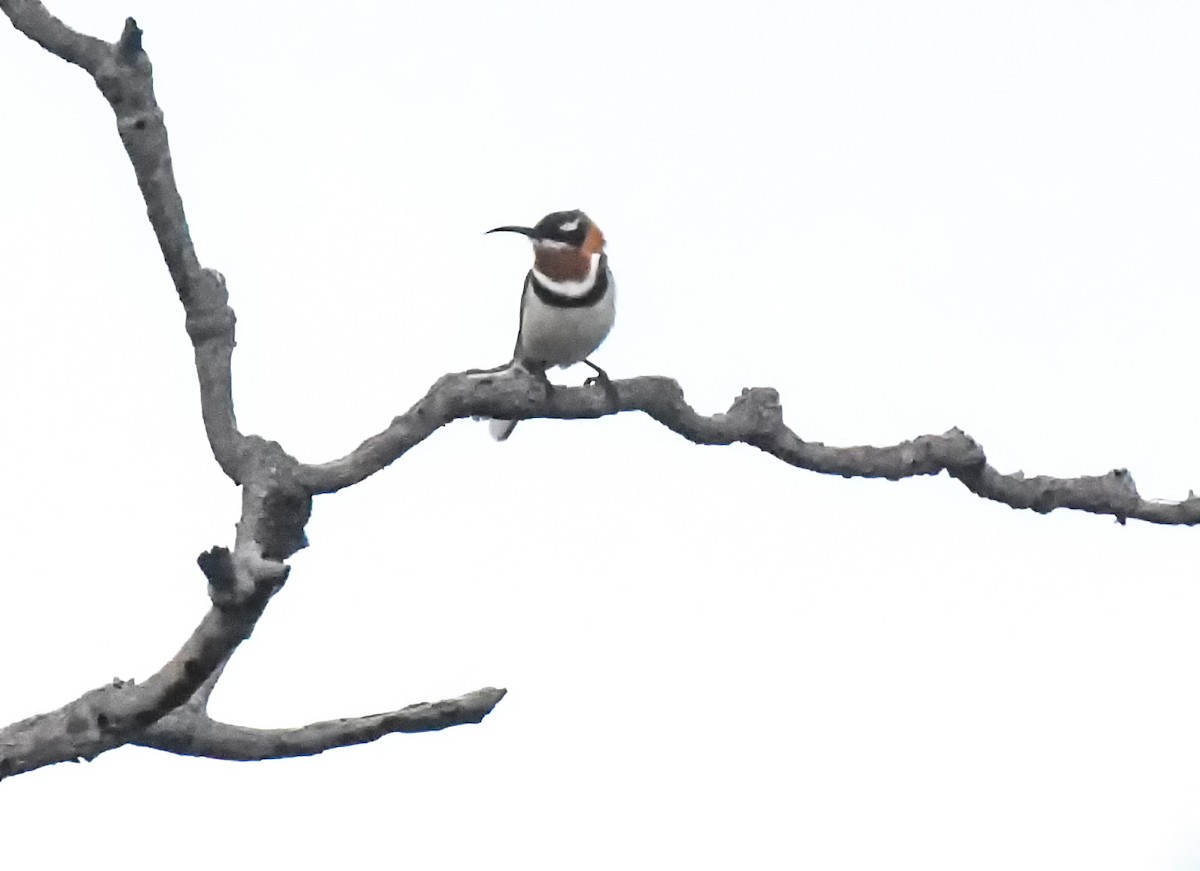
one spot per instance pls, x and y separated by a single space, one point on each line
275 507
168 711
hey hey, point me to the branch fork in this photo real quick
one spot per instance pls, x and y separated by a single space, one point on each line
169 710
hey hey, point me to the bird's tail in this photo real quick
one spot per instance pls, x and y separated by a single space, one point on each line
501 429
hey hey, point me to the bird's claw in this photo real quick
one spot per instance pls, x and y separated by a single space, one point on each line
547 385
605 383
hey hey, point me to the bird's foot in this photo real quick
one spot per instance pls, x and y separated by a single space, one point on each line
601 378
539 374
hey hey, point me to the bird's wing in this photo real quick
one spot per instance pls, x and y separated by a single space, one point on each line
526 289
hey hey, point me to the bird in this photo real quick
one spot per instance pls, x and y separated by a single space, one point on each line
568 303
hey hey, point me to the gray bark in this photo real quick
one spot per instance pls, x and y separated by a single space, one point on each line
168 710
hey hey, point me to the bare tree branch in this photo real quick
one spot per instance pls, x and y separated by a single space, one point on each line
125 77
275 507
241 582
197 705
35 21
187 735
755 418
168 711
111 715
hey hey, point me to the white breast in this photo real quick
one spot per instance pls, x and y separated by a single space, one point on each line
560 336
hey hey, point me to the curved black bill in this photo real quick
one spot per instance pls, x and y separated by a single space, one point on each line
524 231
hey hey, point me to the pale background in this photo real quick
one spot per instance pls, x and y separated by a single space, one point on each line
904 216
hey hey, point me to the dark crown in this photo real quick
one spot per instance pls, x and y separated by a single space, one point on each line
552 227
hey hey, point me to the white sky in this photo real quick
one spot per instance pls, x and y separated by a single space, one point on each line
903 216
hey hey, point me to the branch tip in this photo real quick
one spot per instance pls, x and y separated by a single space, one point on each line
129 46
217 565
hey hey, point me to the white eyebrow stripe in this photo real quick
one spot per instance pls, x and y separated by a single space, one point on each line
569 226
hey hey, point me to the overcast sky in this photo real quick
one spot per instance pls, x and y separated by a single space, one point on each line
904 216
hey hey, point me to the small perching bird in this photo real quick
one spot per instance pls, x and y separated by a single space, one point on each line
568 304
